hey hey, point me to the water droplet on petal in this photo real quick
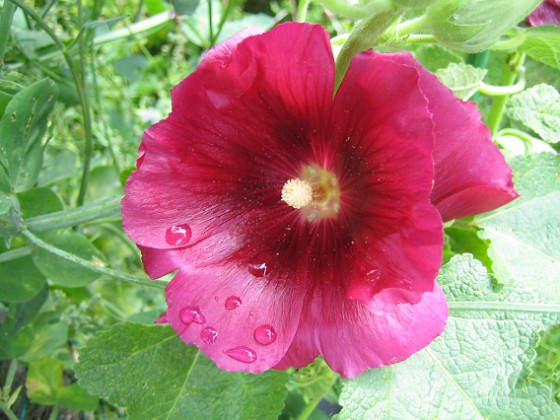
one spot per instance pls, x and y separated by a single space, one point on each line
192 314
178 235
373 275
257 270
242 354
232 302
209 335
265 335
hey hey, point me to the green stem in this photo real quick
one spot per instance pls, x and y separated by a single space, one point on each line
9 413
8 10
128 278
146 27
357 11
526 138
492 90
223 19
80 80
310 408
411 26
364 36
301 15
14 254
508 76
210 24
67 218
101 115
78 76
479 60
11 374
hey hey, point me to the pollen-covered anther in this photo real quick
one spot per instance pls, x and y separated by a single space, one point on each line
297 193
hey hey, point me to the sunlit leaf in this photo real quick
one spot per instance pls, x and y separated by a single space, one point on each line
152 372
475 370
539 109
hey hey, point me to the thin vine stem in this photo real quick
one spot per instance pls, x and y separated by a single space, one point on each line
109 272
210 24
357 11
223 19
302 8
76 76
99 210
310 408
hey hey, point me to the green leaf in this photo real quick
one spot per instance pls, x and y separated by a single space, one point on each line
185 7
43 379
152 372
45 385
18 317
20 280
259 20
39 201
539 109
61 271
475 370
525 235
542 43
463 79
5 202
40 339
21 129
474 25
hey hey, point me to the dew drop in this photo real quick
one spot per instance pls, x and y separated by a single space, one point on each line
265 335
209 335
242 354
257 270
232 303
372 275
178 235
192 314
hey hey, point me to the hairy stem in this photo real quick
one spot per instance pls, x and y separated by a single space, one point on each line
508 77
128 278
103 209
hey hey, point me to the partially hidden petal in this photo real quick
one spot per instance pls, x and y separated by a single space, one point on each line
354 338
471 175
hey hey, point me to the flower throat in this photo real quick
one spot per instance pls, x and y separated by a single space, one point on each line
316 193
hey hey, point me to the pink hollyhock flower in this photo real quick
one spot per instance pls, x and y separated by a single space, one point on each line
548 13
303 225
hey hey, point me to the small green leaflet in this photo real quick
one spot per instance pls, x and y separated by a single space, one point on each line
45 385
463 79
525 235
539 109
542 43
152 372
475 370
21 130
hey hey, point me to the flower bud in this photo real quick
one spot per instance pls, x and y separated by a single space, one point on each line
474 25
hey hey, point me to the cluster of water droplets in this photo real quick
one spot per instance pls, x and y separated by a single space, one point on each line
180 235
264 334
